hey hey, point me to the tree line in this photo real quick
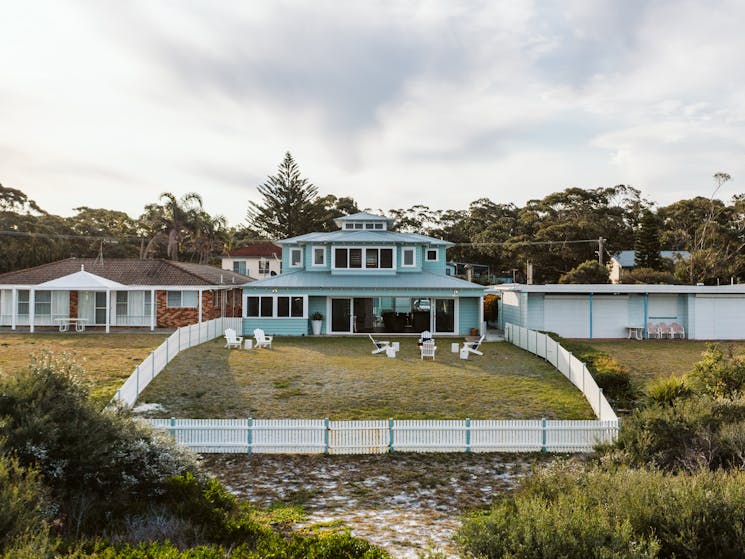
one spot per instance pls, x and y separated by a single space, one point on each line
560 235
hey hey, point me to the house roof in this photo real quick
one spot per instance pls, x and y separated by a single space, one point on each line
127 271
365 236
81 280
620 289
625 258
364 216
409 280
263 249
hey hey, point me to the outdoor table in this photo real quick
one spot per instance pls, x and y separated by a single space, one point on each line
636 332
65 323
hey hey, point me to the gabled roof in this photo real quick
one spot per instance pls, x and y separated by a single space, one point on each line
625 258
264 249
128 271
81 280
365 236
411 280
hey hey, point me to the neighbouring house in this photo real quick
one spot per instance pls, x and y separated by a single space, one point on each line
119 293
624 261
608 311
364 278
258 260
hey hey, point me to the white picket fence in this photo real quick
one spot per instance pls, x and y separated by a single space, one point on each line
321 436
569 366
181 339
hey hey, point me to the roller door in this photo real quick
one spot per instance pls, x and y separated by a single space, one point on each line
719 318
568 316
609 316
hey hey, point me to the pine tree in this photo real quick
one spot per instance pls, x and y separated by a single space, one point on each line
647 243
288 207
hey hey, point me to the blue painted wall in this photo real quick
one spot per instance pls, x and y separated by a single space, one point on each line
468 315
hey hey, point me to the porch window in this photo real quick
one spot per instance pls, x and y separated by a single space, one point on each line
183 299
287 306
122 307
148 305
43 303
23 299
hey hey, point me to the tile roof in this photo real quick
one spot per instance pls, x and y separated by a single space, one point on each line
128 271
265 249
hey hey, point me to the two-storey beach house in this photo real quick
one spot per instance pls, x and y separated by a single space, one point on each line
363 278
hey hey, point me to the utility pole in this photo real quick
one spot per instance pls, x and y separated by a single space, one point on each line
601 242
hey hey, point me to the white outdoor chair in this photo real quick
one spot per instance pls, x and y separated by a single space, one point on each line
473 347
428 349
262 340
232 340
677 330
663 329
426 335
380 347
652 330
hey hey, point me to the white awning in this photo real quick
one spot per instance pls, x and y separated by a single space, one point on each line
82 280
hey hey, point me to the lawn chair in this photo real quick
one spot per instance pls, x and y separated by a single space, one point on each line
380 347
428 349
652 330
473 347
232 340
676 329
664 330
425 336
262 340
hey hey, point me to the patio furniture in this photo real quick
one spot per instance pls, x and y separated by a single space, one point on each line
663 330
232 340
65 323
652 330
428 349
262 340
454 347
380 347
677 330
473 347
636 332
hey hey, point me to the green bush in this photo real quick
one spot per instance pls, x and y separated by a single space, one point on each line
667 391
718 374
565 512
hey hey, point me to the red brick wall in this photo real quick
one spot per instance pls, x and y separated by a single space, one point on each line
177 317
73 304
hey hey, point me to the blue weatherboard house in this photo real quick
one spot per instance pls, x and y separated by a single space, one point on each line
363 279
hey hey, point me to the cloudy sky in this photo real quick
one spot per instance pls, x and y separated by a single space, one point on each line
108 104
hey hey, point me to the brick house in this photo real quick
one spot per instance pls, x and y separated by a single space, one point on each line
117 293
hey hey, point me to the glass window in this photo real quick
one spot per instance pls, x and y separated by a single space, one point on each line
432 254
43 302
121 303
174 299
23 298
239 267
408 257
369 225
358 226
386 258
296 257
252 306
263 266
296 309
283 306
148 304
183 299
355 258
349 226
371 258
378 226
319 256
340 258
267 306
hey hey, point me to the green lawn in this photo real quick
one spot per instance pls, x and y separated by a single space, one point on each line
107 359
653 359
340 379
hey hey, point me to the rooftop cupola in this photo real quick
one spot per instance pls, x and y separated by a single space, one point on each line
364 221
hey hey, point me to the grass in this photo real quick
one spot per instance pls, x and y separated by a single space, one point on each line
108 359
340 379
654 359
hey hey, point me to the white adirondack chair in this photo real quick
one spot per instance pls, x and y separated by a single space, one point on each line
262 340
473 347
426 335
380 347
232 340
428 349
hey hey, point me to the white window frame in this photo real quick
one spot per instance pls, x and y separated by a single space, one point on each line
275 306
181 299
393 250
300 261
313 256
428 259
412 250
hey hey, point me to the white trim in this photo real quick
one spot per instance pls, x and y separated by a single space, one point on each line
152 309
426 255
108 310
300 263
313 250
394 257
412 250
14 301
31 308
199 305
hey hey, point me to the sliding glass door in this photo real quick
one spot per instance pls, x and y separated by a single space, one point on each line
341 316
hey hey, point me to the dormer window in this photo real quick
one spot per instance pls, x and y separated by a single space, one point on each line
349 226
378 225
296 257
369 225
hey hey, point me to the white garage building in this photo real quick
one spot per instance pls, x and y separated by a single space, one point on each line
608 311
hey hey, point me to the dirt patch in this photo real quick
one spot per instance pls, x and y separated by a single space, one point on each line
408 504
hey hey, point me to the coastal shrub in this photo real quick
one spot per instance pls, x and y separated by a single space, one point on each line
564 511
719 374
666 391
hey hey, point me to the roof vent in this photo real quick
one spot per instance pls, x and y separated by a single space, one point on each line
82 267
